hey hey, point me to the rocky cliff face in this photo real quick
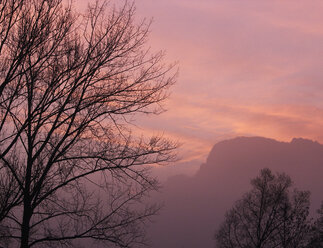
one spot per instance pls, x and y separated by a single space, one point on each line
194 206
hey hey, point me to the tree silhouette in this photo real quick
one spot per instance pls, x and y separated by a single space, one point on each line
316 235
70 168
267 216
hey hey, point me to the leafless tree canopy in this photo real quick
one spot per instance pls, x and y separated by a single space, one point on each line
316 235
268 216
70 169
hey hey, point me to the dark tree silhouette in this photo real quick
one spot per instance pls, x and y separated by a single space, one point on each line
71 170
268 216
316 235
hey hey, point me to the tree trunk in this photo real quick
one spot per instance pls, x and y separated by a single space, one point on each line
25 229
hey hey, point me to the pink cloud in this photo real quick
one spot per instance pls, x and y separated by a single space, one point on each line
246 68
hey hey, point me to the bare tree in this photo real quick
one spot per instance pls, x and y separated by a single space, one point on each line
316 235
71 169
268 216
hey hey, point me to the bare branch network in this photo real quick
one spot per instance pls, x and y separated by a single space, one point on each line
70 169
268 216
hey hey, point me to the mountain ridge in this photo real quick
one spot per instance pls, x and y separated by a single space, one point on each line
194 206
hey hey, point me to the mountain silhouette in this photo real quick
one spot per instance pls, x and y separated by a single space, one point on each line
195 206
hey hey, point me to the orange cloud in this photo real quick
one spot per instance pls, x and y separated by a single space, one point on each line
200 123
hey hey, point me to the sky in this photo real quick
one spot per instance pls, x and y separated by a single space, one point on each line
246 68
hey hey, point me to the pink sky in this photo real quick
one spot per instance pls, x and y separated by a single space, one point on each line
246 68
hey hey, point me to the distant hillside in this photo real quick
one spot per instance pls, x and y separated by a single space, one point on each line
194 206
